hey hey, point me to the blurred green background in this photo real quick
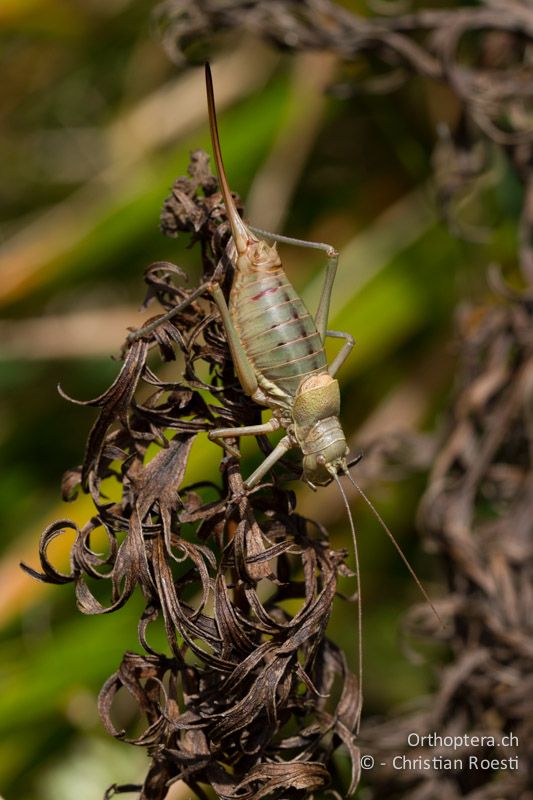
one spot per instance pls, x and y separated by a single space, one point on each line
95 124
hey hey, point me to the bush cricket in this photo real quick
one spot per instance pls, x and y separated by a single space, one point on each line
278 354
277 348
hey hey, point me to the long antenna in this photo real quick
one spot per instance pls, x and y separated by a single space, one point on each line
239 230
359 602
398 548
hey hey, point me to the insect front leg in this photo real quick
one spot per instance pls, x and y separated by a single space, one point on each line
219 434
322 312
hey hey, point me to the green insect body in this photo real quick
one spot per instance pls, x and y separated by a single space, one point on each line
278 347
279 358
278 353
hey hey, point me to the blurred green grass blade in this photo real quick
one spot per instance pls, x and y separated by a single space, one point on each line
100 219
38 677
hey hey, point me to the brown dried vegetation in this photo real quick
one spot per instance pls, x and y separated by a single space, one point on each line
243 699
477 514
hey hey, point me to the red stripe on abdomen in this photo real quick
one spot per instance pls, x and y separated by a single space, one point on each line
270 290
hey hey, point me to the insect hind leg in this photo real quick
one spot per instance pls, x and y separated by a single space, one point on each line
151 326
322 312
243 367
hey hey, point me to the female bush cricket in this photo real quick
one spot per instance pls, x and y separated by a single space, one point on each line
277 348
278 355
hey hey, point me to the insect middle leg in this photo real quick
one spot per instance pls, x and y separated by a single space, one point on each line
253 430
278 452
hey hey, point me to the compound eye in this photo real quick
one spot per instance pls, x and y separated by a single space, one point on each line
321 460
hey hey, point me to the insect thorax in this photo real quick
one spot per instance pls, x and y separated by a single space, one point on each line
317 428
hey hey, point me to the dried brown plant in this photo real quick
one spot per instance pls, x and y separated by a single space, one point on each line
478 514
248 698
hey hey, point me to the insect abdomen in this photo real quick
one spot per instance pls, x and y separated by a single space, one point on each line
276 329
